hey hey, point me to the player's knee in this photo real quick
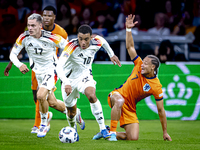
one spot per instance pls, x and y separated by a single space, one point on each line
92 97
132 138
118 103
40 97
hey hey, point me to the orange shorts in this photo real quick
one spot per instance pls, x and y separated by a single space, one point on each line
128 115
34 83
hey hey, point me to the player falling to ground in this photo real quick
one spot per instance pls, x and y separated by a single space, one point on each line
141 83
40 46
74 68
49 15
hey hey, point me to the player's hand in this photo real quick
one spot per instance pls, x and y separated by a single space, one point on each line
23 69
68 89
7 69
167 137
129 21
115 60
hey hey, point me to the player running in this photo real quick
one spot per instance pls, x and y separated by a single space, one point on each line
74 68
49 15
40 46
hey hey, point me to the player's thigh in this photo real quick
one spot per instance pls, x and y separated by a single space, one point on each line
116 99
132 131
71 99
85 82
51 98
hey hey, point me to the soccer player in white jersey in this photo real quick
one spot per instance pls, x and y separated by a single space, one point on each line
74 68
40 46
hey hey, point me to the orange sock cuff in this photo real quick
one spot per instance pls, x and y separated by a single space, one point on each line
113 125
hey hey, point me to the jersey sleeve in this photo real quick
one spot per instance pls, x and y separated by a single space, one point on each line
58 40
18 46
158 93
68 50
102 42
137 60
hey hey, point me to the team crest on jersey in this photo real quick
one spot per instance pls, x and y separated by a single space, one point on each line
44 44
146 87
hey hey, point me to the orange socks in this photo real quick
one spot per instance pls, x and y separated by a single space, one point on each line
113 126
37 115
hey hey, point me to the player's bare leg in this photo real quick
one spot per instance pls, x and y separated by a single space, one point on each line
71 116
56 104
132 132
96 108
117 102
41 95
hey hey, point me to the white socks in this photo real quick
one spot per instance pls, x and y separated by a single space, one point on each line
44 117
98 113
72 122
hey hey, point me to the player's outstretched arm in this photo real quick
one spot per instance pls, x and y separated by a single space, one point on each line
163 120
129 38
7 69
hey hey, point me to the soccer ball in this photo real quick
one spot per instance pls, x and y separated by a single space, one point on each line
68 135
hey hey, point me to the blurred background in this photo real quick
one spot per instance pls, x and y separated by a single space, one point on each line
168 29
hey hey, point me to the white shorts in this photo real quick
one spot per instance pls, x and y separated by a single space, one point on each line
78 85
46 80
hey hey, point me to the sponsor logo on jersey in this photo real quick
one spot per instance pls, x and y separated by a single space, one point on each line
30 45
80 55
146 87
45 84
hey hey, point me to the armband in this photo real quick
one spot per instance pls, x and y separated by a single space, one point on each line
128 29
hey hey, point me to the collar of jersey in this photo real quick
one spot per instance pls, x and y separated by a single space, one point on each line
50 30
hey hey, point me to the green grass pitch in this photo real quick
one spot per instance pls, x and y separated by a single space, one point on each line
15 135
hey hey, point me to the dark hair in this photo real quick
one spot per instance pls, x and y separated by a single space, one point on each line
85 29
155 61
67 14
163 48
50 8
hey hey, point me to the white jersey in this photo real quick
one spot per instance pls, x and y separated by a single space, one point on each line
75 61
41 51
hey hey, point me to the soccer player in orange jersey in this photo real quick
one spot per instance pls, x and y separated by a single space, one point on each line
141 83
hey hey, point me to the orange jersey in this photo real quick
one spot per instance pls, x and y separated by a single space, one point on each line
137 87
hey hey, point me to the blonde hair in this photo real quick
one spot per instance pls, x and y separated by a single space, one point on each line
38 17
